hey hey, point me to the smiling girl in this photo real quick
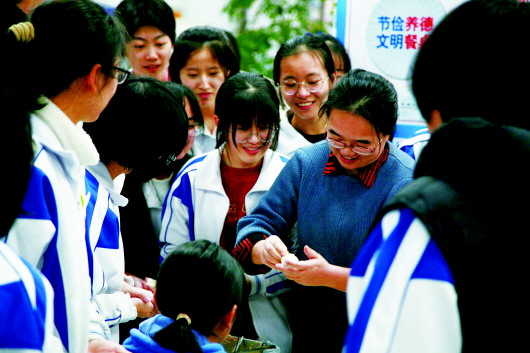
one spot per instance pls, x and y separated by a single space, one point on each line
214 190
305 73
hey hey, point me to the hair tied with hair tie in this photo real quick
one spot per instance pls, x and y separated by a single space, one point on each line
184 316
23 31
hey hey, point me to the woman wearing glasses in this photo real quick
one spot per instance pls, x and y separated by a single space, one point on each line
305 72
332 191
214 190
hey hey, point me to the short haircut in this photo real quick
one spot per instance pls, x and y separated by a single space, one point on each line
244 99
138 13
368 95
472 64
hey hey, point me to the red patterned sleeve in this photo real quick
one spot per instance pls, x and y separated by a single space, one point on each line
243 253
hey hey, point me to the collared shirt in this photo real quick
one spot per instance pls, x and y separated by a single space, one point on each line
366 174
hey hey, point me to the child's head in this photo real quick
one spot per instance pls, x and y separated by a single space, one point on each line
247 102
204 282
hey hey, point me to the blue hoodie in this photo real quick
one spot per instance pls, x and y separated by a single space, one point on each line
141 340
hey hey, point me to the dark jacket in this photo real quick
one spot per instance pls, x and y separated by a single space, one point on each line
471 190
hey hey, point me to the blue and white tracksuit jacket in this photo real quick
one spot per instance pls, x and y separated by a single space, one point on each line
400 293
107 273
50 232
196 207
26 312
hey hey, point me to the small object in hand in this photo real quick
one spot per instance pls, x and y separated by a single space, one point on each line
150 282
291 257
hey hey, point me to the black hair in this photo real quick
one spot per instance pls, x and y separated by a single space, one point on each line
138 13
71 36
182 91
214 39
18 156
336 47
142 122
199 279
472 64
368 95
233 42
300 44
243 99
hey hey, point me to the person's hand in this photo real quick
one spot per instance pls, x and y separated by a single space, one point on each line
104 346
316 271
312 272
144 309
145 295
141 283
269 251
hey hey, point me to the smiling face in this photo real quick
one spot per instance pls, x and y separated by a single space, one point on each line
352 130
149 52
308 68
204 75
249 153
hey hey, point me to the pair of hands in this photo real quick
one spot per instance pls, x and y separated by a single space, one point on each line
142 296
312 272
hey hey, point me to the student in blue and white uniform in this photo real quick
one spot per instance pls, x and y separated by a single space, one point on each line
75 81
126 142
26 312
444 268
213 191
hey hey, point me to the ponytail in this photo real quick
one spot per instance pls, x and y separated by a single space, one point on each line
178 336
198 284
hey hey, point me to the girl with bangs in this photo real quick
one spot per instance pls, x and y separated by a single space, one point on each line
214 190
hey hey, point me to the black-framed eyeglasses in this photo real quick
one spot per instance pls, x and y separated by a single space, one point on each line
364 151
290 86
121 74
263 135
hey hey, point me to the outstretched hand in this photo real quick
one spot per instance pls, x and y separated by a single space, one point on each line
316 271
311 272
